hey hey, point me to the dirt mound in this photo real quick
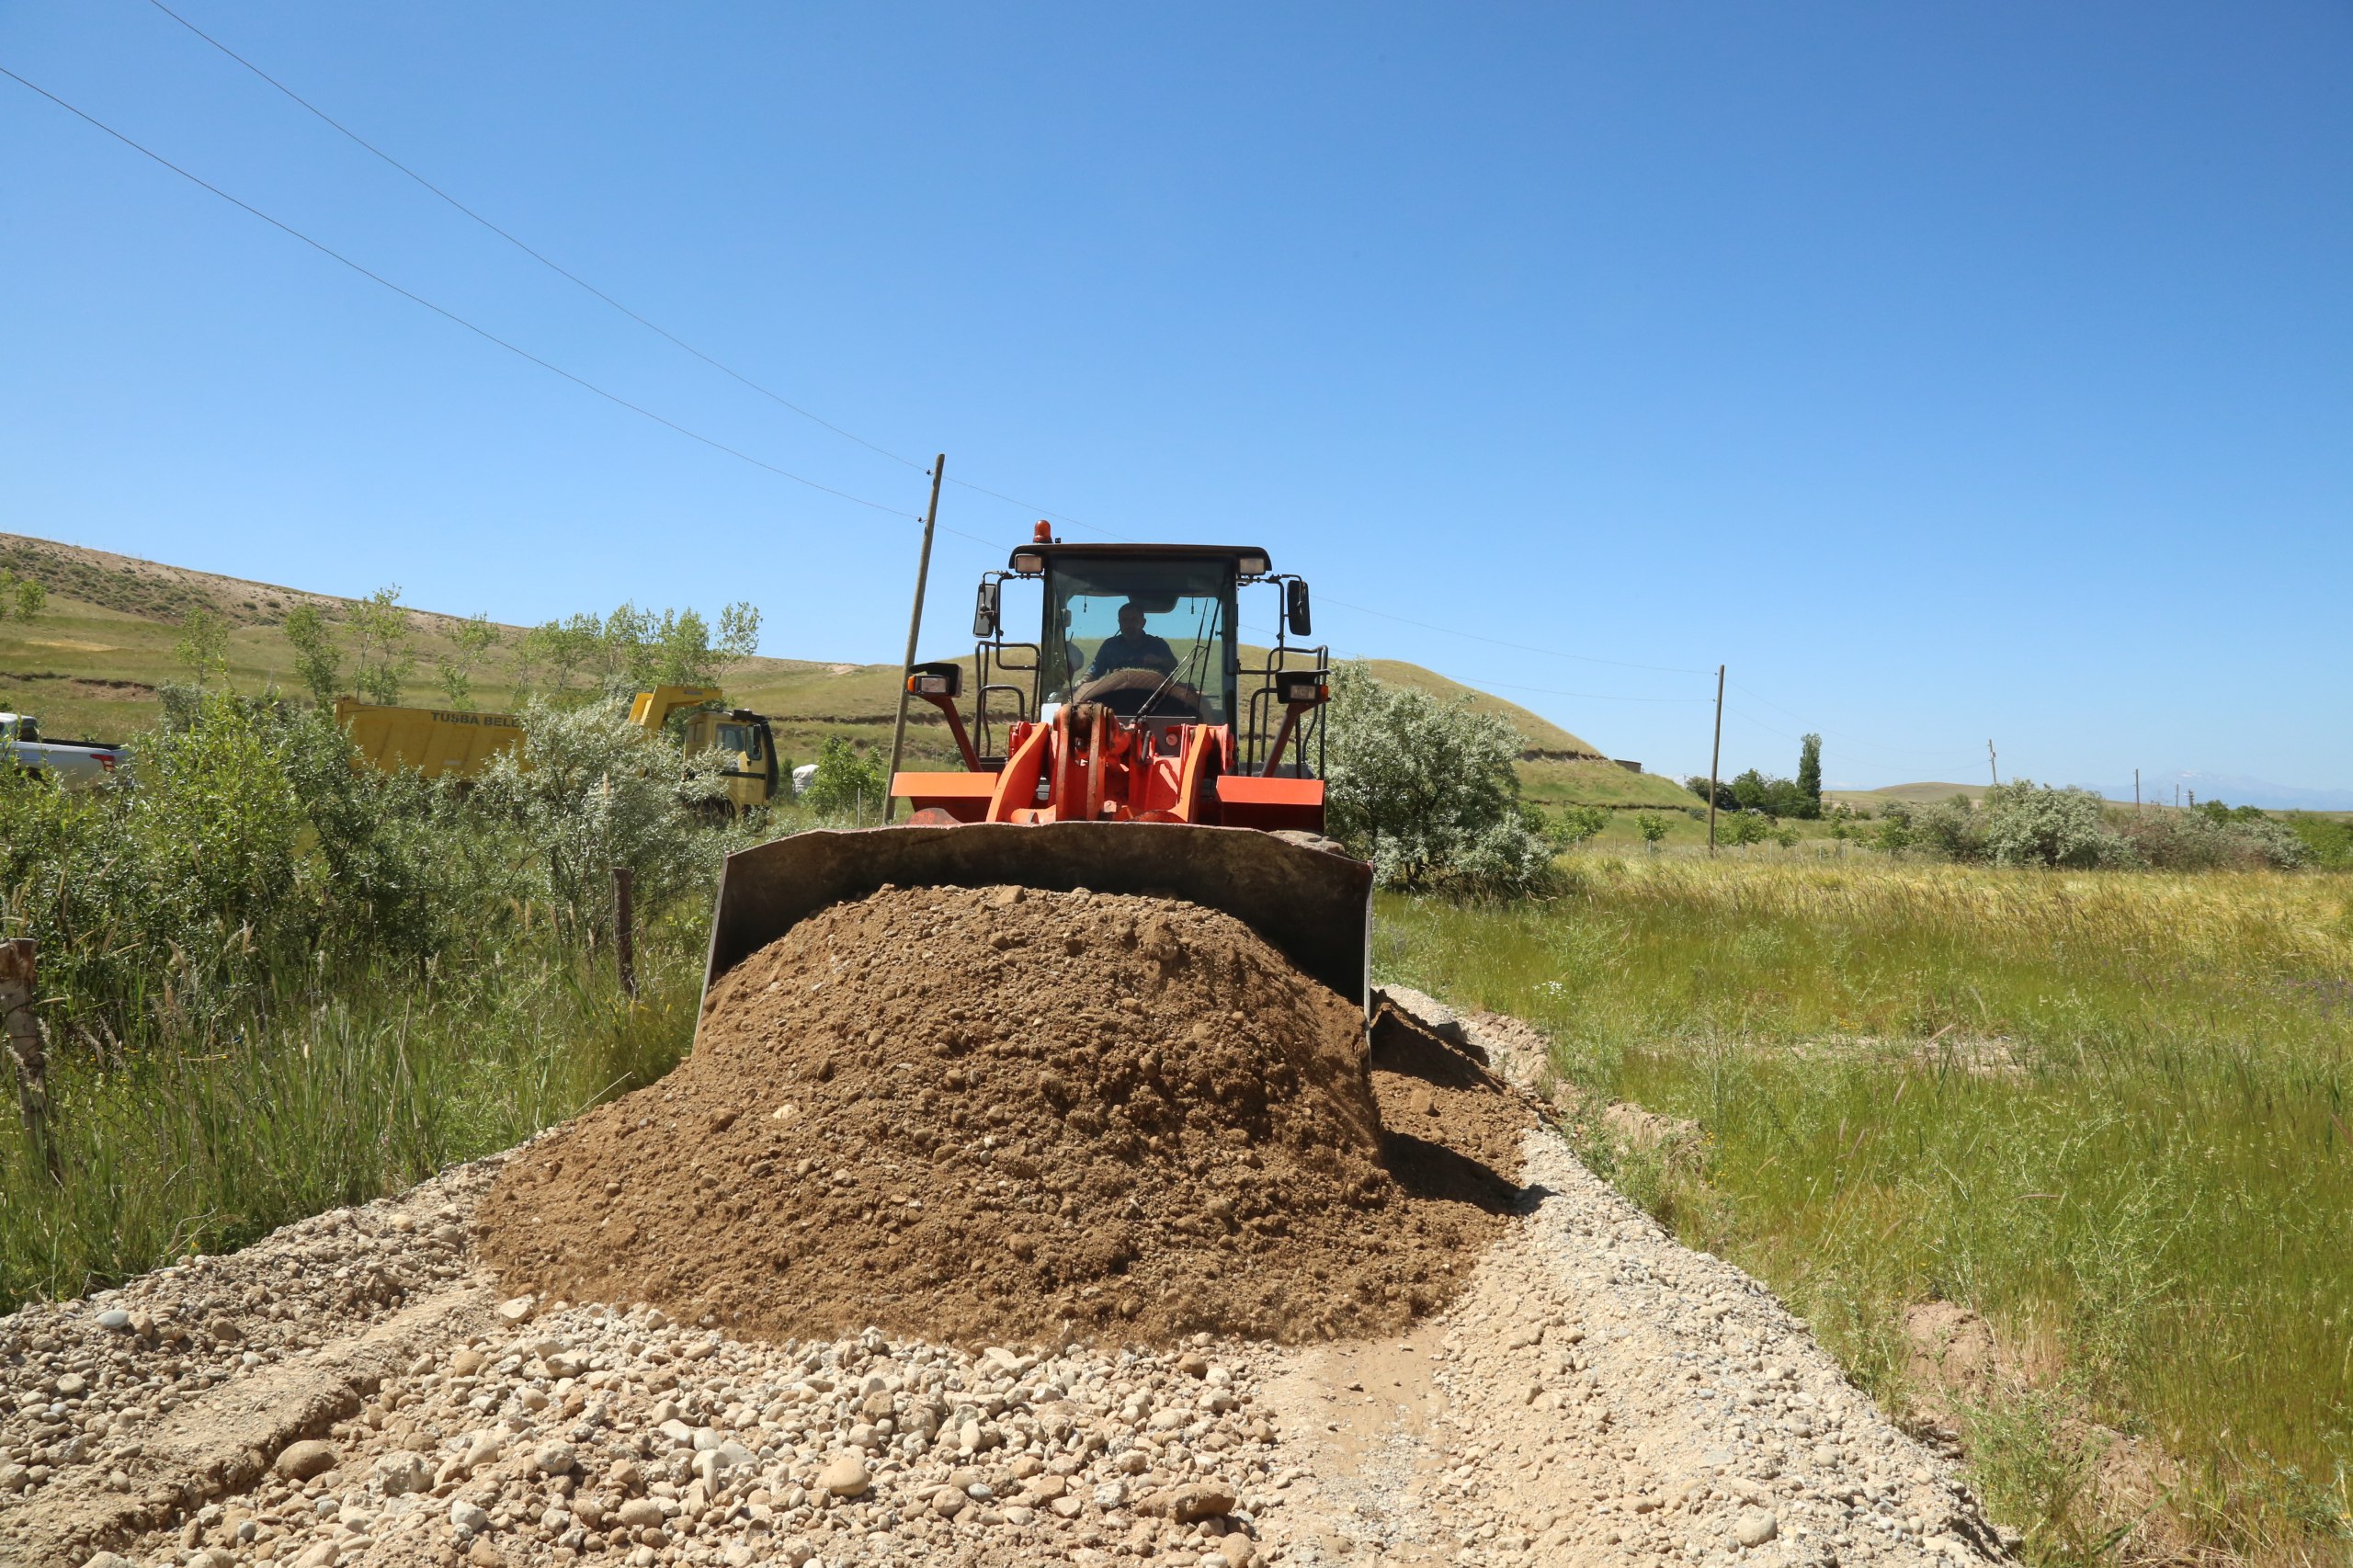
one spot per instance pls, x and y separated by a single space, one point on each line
1001 1114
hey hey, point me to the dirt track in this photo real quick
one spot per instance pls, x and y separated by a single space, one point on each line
355 1389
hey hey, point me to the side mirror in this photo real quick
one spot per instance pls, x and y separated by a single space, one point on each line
1295 609
988 609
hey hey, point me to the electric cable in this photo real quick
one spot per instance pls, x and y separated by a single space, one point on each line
771 394
446 314
554 266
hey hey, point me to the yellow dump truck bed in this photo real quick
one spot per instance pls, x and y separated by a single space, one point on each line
434 741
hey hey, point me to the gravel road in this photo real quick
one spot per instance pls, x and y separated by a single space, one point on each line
355 1389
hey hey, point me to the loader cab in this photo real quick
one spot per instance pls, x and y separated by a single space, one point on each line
1149 637
1151 632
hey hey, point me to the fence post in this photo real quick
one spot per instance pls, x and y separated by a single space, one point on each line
624 934
18 975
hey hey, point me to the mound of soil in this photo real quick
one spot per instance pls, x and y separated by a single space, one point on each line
992 1115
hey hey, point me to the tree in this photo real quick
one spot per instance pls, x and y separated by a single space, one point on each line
1652 827
318 662
476 636
203 646
1425 788
1725 800
380 654
1810 774
563 649
844 784
22 596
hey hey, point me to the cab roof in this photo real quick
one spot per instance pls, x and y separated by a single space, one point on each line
1142 552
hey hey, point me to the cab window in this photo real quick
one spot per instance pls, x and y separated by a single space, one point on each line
1137 635
744 738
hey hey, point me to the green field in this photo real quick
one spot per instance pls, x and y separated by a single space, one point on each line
92 663
2112 1113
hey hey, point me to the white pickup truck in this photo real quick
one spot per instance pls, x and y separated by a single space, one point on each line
73 764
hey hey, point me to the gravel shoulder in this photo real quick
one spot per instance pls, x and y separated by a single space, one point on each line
355 1389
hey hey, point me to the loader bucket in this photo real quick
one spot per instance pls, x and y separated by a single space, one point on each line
1313 906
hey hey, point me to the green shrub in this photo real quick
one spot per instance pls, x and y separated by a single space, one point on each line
2034 825
1425 788
599 791
846 784
2204 840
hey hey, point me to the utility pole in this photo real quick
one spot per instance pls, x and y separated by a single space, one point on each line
915 629
1715 759
2136 791
1990 767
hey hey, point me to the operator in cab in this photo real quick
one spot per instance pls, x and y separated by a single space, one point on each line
1132 648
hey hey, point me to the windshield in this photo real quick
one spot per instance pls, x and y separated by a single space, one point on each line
1152 636
743 738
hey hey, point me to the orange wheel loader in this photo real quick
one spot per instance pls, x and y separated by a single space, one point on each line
1139 755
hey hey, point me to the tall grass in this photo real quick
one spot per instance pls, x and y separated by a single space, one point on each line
2109 1111
335 1094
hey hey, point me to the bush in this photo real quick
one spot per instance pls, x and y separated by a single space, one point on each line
1571 826
846 784
2020 823
1742 827
2033 824
1426 789
2215 838
598 793
173 900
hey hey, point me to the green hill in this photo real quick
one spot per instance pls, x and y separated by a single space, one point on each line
91 663
1921 794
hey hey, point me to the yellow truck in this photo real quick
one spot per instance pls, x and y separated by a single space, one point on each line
439 741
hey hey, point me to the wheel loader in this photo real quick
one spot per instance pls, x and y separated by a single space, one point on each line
1129 747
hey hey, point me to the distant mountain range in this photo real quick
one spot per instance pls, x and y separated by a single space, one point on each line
2233 789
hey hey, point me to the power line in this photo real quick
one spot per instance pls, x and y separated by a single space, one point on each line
772 394
1589 696
1752 719
446 314
543 260
1847 740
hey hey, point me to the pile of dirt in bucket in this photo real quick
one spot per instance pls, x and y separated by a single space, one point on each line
1001 1114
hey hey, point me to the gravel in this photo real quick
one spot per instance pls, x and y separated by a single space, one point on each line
355 1389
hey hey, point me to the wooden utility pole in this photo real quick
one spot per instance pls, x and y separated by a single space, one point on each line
1990 767
915 629
1715 759
17 974
625 927
2136 791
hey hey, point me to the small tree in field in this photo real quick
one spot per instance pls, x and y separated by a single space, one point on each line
1652 827
20 596
381 655
474 638
318 662
844 784
203 647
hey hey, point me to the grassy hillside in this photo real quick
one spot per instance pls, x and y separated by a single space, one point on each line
91 663
1921 794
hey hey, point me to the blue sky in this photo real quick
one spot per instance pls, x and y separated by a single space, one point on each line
1950 371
